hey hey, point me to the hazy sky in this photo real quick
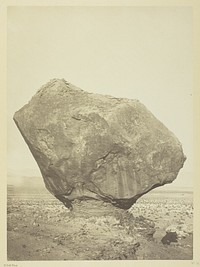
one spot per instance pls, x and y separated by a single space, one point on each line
133 52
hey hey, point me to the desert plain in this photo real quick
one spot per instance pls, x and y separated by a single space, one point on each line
159 226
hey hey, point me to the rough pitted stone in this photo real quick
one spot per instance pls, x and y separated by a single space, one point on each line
95 146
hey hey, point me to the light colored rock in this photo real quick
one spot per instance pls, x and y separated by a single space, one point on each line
181 230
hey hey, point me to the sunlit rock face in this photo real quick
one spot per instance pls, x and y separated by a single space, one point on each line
97 146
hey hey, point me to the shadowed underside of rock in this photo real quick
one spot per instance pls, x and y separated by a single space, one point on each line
95 146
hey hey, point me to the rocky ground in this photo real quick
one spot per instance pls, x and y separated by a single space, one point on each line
158 226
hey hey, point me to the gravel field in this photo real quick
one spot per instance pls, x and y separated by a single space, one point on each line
41 228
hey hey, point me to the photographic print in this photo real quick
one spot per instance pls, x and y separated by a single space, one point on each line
100 156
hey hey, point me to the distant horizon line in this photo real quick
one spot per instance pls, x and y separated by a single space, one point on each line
11 174
159 188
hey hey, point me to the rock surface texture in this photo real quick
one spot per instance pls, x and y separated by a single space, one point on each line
95 146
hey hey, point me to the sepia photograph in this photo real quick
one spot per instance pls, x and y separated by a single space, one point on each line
100 133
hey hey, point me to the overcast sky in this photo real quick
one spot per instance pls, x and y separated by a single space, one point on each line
133 52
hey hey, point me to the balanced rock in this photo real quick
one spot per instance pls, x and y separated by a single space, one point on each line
96 146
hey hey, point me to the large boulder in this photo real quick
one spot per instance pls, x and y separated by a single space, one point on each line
97 146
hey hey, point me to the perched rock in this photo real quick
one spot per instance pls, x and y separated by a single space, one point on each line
95 146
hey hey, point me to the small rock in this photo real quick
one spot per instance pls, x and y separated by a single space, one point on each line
136 245
48 250
169 237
